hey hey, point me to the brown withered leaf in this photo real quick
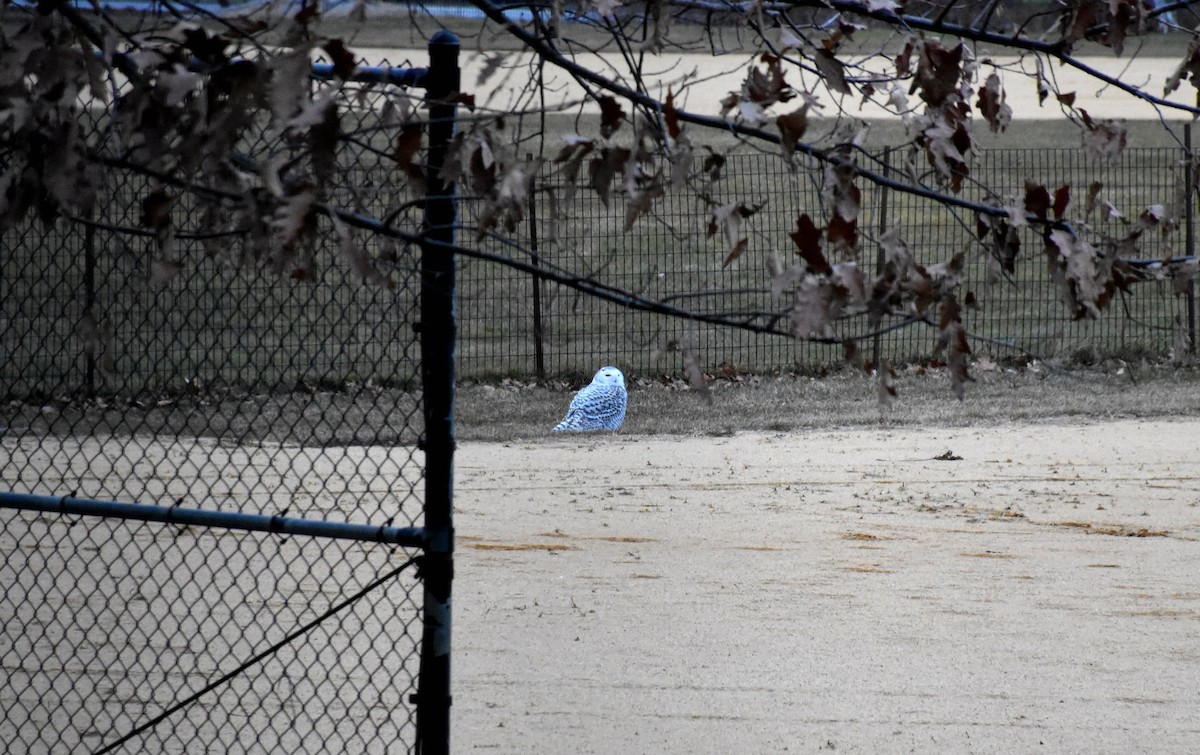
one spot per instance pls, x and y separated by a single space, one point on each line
807 238
842 233
642 203
810 314
849 288
792 127
1188 69
670 116
1083 277
840 191
1062 200
156 210
1080 17
895 249
408 143
344 61
323 139
904 60
938 72
782 279
766 86
603 168
612 115
1105 138
947 276
1067 98
728 220
832 69
1037 199
1123 15
574 150
992 104
952 340
946 145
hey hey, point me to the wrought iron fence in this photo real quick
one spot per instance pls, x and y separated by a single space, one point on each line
216 482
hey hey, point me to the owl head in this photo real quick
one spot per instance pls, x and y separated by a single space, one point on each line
609 376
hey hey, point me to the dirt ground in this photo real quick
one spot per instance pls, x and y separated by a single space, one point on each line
831 590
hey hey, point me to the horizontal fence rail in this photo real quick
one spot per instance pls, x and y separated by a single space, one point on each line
412 537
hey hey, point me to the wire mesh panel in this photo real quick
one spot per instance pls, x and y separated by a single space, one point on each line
212 379
669 255
111 624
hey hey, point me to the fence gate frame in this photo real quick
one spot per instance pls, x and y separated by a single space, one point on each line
436 332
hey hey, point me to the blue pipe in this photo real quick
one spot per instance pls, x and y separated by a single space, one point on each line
409 537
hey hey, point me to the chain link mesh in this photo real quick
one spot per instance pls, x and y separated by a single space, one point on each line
214 382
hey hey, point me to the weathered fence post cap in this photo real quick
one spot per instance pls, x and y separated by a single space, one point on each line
444 38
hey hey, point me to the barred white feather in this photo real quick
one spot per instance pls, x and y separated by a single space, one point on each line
600 405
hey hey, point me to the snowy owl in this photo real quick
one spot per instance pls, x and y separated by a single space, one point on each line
600 405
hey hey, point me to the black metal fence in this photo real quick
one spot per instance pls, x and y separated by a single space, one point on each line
216 482
510 325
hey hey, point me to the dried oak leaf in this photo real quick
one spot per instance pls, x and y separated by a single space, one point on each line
807 238
1105 138
603 168
1079 18
344 61
1062 200
728 220
408 143
938 72
1084 278
832 69
810 314
952 340
156 210
992 105
641 203
791 129
1188 68
612 115
1037 199
670 116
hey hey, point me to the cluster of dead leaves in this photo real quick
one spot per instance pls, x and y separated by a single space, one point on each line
943 82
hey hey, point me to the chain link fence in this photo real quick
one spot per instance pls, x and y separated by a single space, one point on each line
214 476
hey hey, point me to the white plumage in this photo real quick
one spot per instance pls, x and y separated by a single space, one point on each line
600 405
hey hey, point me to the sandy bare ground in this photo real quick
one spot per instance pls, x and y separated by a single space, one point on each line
836 589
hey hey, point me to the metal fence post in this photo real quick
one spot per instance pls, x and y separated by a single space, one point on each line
539 348
880 257
438 335
89 304
1189 228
